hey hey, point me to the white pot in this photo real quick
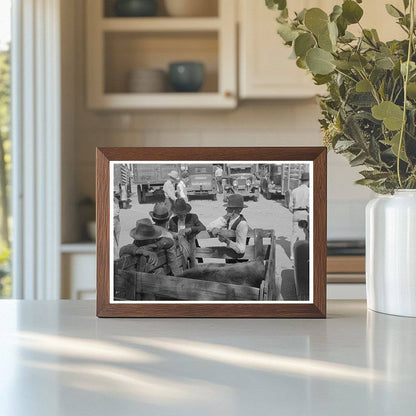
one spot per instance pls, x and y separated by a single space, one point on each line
191 8
391 253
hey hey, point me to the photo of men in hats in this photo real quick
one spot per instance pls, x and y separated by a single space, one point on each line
190 234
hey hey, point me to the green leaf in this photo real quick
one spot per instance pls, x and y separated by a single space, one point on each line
385 63
358 61
394 144
276 4
343 65
336 12
319 61
343 145
393 11
325 43
358 160
351 11
364 181
316 20
286 32
342 25
363 86
303 43
391 114
375 35
411 90
321 79
301 63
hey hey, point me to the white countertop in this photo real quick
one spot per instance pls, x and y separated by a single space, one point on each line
56 358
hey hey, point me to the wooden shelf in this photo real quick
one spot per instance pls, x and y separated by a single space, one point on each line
159 24
116 46
163 101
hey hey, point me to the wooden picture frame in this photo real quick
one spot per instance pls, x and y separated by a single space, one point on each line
314 308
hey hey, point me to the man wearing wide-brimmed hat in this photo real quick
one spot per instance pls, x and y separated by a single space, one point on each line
160 214
169 188
186 226
299 206
232 220
148 239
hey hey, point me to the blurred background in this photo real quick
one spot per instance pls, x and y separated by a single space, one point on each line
100 73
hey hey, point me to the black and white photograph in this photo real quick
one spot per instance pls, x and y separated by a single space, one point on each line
211 231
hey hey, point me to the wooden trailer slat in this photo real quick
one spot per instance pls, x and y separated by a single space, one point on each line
221 252
204 235
271 290
185 289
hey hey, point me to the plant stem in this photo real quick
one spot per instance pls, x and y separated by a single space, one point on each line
406 80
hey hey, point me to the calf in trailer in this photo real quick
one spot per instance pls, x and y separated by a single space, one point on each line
249 274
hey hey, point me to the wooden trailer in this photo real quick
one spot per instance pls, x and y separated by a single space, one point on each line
136 280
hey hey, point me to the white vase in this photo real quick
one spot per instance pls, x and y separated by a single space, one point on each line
391 253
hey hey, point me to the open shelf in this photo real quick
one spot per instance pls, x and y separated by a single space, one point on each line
160 24
116 46
127 51
211 9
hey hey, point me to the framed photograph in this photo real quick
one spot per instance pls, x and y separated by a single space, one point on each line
211 232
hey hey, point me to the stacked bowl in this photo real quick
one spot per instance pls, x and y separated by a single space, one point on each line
147 80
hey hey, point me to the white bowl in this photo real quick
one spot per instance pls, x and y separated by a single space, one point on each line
191 8
146 80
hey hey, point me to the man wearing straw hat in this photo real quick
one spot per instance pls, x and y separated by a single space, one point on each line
186 227
148 239
169 188
232 220
299 206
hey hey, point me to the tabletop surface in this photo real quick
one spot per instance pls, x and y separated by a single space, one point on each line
57 358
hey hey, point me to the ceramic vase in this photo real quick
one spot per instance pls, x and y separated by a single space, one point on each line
391 253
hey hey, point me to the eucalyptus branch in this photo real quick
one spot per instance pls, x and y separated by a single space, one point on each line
406 80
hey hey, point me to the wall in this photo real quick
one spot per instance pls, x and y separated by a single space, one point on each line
265 123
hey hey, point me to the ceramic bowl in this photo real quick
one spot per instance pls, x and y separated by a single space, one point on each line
147 80
186 76
136 8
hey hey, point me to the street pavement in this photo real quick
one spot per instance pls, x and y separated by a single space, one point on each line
266 214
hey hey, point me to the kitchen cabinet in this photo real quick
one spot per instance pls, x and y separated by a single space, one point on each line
265 70
118 45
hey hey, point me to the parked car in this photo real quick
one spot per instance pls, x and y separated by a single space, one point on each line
241 179
201 181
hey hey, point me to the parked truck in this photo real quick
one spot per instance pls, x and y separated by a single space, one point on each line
150 178
202 181
278 180
121 176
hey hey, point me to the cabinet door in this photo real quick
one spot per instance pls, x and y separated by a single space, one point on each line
265 68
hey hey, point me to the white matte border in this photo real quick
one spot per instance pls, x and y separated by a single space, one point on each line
188 162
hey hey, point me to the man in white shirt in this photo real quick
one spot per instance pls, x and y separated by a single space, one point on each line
218 178
232 220
181 187
169 188
299 206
